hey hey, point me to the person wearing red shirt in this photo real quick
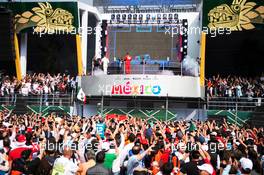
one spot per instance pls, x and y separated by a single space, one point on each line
15 153
128 60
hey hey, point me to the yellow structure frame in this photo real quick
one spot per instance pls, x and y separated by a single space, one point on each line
17 60
79 55
202 63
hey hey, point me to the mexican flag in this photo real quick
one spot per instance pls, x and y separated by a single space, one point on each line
81 96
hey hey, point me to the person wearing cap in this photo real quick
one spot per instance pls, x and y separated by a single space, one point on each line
206 169
25 164
20 146
245 166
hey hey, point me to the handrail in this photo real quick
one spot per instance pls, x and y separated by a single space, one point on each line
231 103
143 67
55 99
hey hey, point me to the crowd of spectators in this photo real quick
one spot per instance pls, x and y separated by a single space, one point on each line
37 84
31 144
235 86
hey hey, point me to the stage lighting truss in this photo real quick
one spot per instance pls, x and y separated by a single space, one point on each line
145 18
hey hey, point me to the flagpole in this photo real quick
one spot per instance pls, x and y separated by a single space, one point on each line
167 106
102 104
82 108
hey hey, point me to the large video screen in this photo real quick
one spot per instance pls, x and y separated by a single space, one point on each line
143 40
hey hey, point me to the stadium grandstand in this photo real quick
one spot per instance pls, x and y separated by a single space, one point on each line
135 87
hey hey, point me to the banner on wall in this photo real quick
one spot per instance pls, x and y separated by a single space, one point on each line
237 15
141 85
44 17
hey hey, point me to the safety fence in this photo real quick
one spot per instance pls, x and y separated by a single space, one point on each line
233 103
158 67
56 99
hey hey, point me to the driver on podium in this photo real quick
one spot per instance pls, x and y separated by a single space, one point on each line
128 60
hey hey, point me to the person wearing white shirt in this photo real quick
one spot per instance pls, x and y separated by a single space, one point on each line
124 153
105 62
116 163
64 165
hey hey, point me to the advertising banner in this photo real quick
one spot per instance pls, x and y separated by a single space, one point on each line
141 85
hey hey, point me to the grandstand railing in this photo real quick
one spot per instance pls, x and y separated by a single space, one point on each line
68 99
55 99
172 68
234 103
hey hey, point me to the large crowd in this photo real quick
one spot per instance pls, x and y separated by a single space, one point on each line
37 84
235 86
64 145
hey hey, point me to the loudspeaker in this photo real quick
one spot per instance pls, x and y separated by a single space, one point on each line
7 48
103 38
184 38
217 118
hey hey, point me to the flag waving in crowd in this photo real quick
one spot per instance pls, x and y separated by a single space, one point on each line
81 96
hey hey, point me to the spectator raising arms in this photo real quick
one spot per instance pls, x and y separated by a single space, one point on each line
235 86
31 144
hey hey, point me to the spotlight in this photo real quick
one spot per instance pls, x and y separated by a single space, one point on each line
170 16
148 17
129 16
154 17
185 22
176 16
112 16
159 16
135 16
140 17
124 17
118 17
164 16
